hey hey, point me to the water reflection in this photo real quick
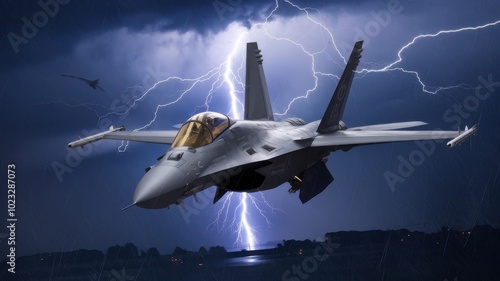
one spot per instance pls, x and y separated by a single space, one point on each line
247 261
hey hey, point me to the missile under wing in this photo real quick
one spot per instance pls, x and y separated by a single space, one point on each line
259 153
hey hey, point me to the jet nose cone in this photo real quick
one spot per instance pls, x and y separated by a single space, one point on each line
159 188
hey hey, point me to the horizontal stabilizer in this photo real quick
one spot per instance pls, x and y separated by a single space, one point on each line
314 180
335 109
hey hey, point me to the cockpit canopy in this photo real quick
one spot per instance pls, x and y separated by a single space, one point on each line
201 129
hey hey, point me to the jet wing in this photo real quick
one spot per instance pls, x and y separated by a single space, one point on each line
389 126
164 137
350 138
76 77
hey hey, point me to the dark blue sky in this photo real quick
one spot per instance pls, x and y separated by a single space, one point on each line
72 199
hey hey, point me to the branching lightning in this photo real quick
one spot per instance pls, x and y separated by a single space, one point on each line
390 67
244 225
240 224
225 74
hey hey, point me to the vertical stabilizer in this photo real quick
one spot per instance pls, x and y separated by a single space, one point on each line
331 119
257 104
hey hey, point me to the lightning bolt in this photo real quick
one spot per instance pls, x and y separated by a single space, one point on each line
390 67
240 224
312 55
225 75
244 225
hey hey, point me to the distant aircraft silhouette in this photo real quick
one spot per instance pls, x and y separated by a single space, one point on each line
92 83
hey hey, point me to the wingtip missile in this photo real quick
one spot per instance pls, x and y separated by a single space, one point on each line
93 138
465 135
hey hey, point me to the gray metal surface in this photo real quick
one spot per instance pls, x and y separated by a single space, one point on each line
258 153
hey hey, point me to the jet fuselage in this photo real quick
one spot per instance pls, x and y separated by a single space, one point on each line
273 154
258 153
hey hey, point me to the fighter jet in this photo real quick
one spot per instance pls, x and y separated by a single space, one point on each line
258 153
92 83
